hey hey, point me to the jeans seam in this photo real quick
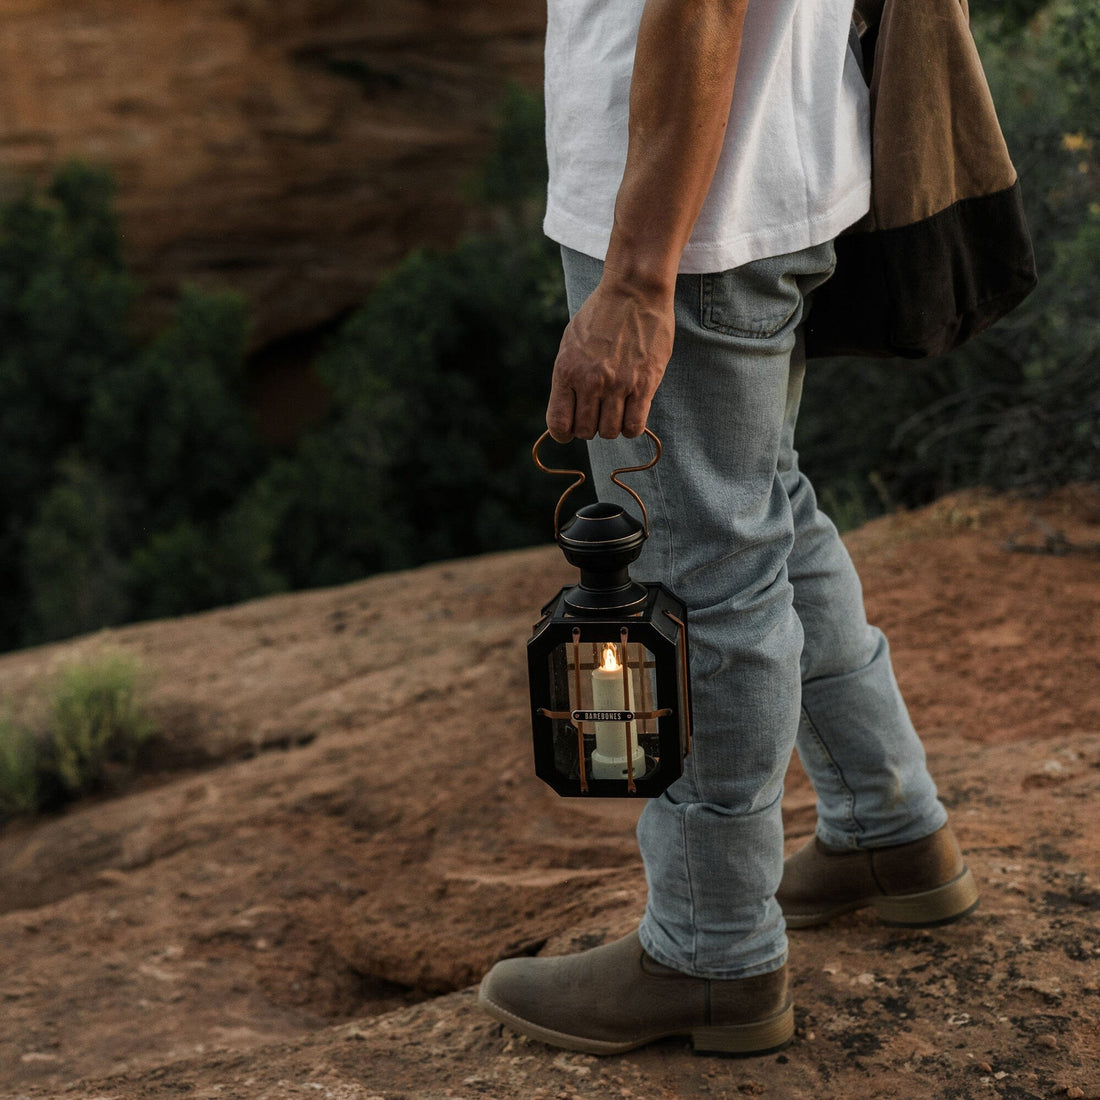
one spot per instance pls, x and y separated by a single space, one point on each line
850 798
666 513
690 885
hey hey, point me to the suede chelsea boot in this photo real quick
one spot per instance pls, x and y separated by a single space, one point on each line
614 998
920 884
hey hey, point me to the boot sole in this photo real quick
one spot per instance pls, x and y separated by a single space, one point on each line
758 1037
928 909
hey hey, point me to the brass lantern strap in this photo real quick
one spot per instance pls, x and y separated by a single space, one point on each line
581 479
577 688
637 469
624 636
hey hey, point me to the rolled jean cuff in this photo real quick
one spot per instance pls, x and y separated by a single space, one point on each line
653 948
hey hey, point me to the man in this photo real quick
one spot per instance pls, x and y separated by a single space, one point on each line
703 156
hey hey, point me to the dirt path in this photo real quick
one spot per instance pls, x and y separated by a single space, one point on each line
345 832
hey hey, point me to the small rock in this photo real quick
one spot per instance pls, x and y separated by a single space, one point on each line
1048 1041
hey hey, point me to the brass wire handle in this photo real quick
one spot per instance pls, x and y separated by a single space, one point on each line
581 478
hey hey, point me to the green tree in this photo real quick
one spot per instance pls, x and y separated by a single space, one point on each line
75 580
64 302
169 425
126 489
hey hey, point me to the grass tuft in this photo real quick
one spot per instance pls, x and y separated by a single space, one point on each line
19 786
94 721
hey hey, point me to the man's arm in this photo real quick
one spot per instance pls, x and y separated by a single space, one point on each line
615 350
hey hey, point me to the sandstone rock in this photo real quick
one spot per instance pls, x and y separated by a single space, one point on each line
291 150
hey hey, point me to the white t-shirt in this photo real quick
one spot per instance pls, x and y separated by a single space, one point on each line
796 166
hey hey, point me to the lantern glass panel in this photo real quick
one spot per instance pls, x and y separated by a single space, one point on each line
610 692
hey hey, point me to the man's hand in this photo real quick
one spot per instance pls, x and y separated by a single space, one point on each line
611 360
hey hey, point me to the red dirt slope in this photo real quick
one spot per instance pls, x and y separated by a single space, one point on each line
345 832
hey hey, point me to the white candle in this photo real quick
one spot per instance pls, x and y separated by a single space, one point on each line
612 692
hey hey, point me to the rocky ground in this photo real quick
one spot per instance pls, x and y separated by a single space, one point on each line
339 831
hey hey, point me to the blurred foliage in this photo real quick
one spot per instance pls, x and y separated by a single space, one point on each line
1016 407
513 178
125 465
439 386
1007 16
136 485
64 299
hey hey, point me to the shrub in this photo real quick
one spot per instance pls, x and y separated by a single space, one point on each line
90 722
19 763
96 718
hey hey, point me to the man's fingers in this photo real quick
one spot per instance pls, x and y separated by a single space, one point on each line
559 413
586 417
611 417
569 417
635 415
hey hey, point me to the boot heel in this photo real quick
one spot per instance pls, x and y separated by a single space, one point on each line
761 1037
939 906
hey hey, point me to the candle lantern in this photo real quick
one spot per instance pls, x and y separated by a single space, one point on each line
607 661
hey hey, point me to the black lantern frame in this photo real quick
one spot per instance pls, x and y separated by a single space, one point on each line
608 661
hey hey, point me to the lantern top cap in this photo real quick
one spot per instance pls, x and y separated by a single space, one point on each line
604 525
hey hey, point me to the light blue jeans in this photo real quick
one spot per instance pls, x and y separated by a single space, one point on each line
781 650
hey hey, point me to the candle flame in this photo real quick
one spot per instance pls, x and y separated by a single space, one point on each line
610 661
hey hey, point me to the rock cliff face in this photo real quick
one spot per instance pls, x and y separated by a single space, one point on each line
291 149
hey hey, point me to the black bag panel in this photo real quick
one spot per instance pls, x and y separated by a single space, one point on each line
920 290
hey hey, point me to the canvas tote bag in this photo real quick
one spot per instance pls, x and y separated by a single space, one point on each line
945 249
